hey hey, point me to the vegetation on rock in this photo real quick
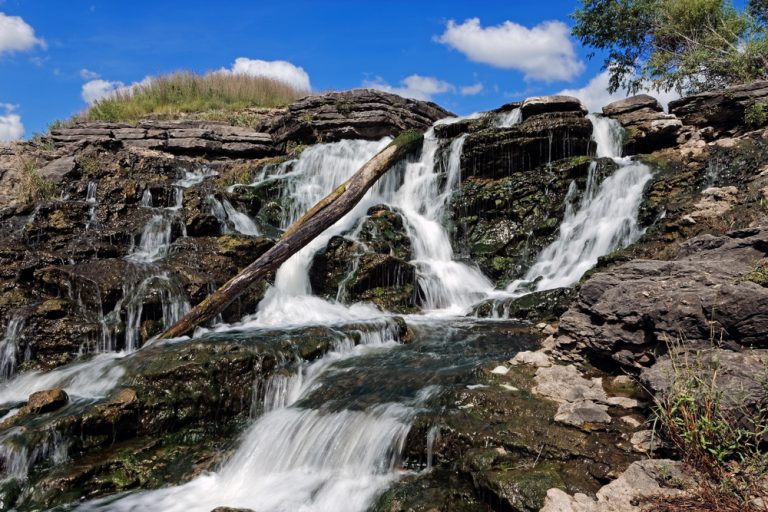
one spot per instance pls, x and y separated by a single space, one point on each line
183 92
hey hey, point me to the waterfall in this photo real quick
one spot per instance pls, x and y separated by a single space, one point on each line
508 119
605 220
9 346
228 215
298 458
90 198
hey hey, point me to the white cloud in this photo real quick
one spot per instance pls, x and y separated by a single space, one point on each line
595 94
544 52
94 90
280 70
11 127
414 86
16 35
471 90
87 74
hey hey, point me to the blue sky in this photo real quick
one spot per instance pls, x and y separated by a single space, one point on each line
466 56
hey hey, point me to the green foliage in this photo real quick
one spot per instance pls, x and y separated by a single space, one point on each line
687 45
718 435
185 92
755 115
89 165
758 274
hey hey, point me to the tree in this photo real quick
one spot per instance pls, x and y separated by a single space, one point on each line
687 45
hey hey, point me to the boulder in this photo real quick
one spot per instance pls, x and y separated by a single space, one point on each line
547 104
647 127
58 170
46 401
628 313
723 109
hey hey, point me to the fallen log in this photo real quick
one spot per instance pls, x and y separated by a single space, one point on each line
320 217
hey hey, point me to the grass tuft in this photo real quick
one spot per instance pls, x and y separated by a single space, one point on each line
32 187
186 92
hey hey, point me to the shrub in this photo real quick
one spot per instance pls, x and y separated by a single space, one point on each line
184 92
756 115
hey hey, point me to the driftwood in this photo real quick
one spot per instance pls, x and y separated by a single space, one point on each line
320 217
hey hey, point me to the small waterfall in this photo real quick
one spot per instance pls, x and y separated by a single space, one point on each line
90 198
146 198
155 240
17 458
508 119
445 283
9 346
232 220
606 219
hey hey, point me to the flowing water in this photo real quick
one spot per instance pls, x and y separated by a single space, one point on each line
605 219
331 436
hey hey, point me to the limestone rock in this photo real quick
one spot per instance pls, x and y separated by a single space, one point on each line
58 170
647 127
581 413
722 109
537 359
628 311
546 104
566 384
642 479
46 401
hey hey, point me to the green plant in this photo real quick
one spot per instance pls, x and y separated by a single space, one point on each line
756 115
758 274
32 187
89 165
718 435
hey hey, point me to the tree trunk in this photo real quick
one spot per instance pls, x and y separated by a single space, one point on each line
320 217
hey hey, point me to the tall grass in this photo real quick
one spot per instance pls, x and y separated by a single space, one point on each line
186 92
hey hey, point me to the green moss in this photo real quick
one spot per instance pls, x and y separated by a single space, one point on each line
758 274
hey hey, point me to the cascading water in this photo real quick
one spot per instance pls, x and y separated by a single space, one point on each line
606 219
232 220
304 451
508 119
9 346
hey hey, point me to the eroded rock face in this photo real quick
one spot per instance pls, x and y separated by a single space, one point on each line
648 128
721 110
356 114
626 313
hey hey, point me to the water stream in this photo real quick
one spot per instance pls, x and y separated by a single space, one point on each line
330 437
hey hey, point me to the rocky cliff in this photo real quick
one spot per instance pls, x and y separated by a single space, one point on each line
109 232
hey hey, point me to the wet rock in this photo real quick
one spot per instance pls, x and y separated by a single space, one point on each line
647 127
626 313
645 441
534 307
45 401
722 109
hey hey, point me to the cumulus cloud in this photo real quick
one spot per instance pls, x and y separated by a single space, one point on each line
16 35
280 70
94 90
544 52
471 90
595 94
414 86
11 127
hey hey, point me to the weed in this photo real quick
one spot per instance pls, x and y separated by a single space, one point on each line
758 274
32 187
756 115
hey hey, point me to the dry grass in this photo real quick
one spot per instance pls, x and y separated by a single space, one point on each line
31 186
185 92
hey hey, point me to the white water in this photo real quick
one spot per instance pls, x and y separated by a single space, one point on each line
508 119
9 346
232 220
605 220
294 458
